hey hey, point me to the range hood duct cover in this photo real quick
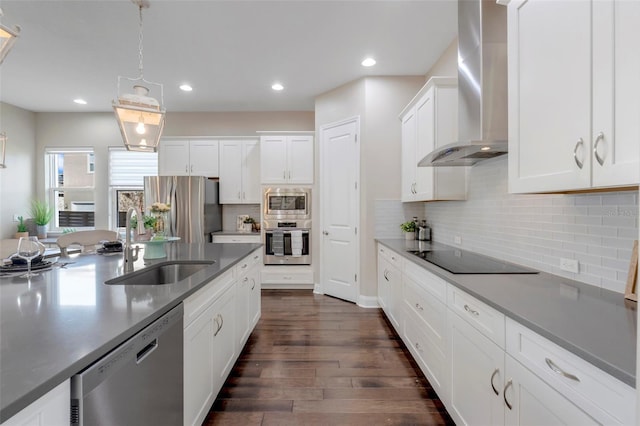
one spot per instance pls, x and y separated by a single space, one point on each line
482 86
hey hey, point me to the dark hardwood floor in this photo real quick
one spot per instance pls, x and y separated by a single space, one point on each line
317 360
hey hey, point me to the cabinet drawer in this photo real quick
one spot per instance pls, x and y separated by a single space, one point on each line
286 277
480 315
582 383
249 262
428 354
198 302
393 257
428 281
427 308
248 238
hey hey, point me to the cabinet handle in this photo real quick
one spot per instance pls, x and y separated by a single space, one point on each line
575 153
286 278
504 394
239 198
325 233
246 279
289 174
418 347
219 326
186 168
496 391
244 266
595 148
253 283
419 307
284 174
256 257
393 258
552 365
243 195
385 275
192 168
471 311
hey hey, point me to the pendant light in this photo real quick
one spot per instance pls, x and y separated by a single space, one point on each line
8 36
3 149
140 117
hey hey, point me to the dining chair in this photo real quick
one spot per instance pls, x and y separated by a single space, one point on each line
87 239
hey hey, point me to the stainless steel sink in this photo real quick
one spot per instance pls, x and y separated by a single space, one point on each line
162 273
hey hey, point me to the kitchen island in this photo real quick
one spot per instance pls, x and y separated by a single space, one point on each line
66 318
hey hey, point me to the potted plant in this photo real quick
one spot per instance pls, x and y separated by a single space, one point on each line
22 229
249 223
42 215
409 228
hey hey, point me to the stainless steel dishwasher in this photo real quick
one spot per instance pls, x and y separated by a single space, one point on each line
138 383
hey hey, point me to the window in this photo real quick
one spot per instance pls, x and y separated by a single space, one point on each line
70 187
126 185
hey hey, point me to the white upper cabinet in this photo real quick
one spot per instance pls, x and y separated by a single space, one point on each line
430 121
239 172
183 157
573 95
286 159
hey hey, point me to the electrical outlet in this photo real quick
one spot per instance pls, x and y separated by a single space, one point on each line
569 265
15 217
457 239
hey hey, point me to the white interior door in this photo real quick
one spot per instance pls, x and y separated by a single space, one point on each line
339 206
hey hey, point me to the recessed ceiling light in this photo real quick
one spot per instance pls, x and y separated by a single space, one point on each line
185 87
277 86
80 101
485 148
368 62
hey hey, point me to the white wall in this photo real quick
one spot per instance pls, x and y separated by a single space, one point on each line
99 130
447 64
17 180
377 101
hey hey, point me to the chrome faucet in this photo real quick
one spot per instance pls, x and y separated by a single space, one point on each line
130 253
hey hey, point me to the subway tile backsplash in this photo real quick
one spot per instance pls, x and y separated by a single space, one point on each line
536 230
230 213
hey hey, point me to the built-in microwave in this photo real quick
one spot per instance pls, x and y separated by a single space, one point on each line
287 204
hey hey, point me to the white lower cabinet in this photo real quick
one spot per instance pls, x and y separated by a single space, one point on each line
390 279
477 374
248 312
217 320
50 409
533 402
489 369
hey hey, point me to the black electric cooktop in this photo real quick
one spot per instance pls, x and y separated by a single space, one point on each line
465 262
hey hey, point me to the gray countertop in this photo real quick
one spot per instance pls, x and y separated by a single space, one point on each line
595 324
67 318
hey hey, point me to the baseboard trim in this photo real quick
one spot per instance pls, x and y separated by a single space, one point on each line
368 301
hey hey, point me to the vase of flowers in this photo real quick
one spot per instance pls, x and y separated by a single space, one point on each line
161 213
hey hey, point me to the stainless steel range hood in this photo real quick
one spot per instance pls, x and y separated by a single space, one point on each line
482 87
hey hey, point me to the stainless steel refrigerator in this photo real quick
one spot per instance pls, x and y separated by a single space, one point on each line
195 211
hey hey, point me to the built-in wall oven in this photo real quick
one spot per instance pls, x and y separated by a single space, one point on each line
287 226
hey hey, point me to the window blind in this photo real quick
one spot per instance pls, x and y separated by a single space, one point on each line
127 168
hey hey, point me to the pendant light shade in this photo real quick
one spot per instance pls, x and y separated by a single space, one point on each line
140 116
8 37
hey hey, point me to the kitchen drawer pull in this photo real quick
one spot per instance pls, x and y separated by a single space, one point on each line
386 277
418 346
496 391
552 365
471 311
419 307
246 279
219 325
244 266
504 394
256 257
595 148
284 174
575 153
253 283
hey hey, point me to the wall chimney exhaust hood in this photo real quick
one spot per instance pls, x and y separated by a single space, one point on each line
482 87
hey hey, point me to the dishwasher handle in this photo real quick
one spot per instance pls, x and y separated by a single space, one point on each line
146 351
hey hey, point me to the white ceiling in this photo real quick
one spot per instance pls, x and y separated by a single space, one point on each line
229 51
